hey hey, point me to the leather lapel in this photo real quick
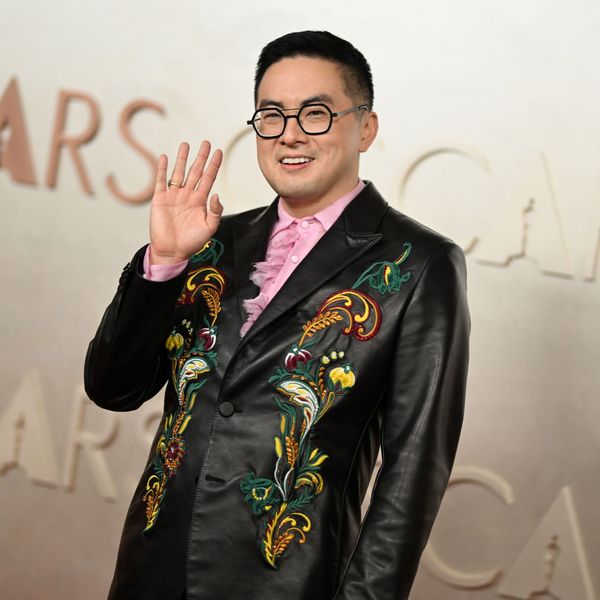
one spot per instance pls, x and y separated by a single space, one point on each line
349 237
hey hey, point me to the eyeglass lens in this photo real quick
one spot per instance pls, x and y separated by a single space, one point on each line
313 118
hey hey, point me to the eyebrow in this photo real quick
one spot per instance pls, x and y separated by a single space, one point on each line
318 98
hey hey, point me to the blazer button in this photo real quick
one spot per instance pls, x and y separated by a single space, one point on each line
226 409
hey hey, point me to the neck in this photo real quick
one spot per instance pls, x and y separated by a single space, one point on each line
300 208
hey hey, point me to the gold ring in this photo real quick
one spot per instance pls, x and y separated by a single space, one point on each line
174 183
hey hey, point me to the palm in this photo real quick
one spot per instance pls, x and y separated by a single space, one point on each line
180 220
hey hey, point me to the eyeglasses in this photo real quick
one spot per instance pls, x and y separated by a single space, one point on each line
314 119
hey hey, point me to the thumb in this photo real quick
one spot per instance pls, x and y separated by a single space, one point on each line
213 215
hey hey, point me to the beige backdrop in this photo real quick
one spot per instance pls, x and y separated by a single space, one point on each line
490 133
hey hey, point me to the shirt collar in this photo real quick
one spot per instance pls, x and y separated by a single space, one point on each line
326 216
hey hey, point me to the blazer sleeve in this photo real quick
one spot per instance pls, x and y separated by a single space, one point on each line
422 417
123 365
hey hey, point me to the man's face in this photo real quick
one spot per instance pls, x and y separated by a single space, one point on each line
330 167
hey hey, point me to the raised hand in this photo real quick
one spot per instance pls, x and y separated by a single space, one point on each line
180 220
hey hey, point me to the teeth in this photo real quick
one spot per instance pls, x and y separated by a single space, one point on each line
295 161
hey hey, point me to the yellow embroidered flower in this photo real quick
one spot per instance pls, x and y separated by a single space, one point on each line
174 342
344 376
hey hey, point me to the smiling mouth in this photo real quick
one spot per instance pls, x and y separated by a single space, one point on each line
299 160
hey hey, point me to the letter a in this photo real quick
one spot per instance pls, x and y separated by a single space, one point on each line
553 562
25 438
15 153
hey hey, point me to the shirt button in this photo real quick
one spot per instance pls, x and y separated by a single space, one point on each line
226 409
294 258
304 224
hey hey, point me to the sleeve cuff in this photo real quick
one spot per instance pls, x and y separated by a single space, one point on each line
161 272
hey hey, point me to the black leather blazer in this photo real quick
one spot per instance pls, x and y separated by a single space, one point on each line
254 482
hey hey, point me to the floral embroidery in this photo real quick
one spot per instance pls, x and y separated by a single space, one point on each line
192 358
386 276
307 386
306 389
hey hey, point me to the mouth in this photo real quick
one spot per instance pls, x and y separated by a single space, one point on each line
295 161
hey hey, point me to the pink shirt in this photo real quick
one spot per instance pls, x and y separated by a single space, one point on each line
290 241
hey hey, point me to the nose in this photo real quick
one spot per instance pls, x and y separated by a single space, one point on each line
292 133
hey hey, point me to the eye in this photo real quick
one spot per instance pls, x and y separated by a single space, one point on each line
269 116
315 113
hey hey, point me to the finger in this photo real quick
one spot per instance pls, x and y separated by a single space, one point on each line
161 174
198 165
210 174
213 215
179 170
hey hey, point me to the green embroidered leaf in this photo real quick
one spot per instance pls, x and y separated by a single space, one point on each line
278 376
386 276
310 343
212 251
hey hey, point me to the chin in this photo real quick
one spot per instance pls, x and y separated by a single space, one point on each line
296 192
299 198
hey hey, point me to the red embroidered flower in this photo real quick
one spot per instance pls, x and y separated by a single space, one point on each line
295 356
174 454
208 336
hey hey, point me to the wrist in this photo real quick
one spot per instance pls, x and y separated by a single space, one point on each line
157 258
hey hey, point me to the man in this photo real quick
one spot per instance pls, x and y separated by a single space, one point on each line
297 340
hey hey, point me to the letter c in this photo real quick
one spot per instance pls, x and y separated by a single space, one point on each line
431 559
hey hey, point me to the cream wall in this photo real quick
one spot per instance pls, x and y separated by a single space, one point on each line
490 133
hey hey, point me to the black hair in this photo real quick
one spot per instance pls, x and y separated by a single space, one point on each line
355 70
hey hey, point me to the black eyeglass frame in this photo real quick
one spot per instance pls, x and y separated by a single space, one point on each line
285 117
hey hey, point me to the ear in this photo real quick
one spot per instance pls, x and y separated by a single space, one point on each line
370 126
